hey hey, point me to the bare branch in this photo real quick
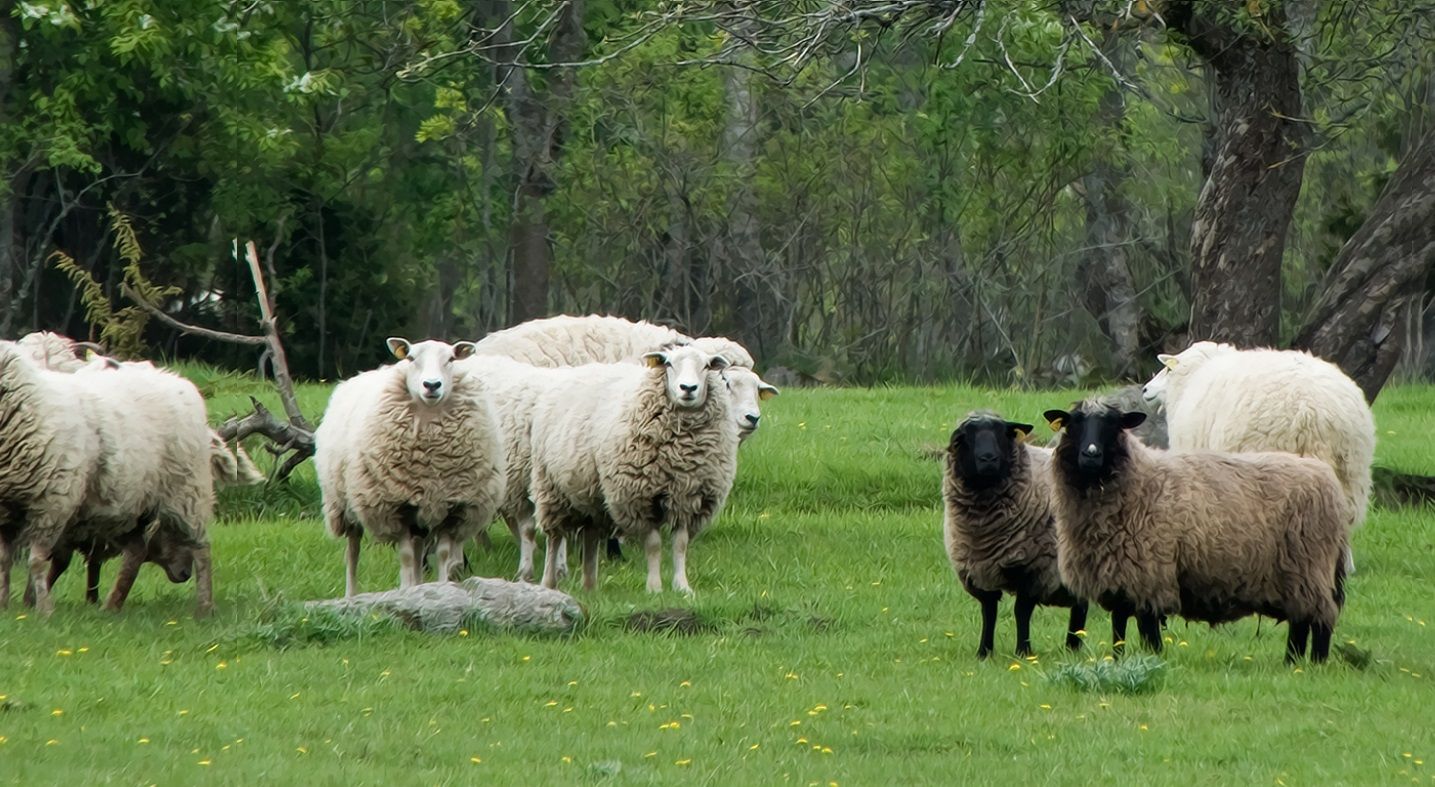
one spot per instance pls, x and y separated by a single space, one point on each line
182 327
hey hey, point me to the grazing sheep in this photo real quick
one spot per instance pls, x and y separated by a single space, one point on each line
49 452
998 526
1210 536
409 453
53 351
139 453
635 449
573 341
1224 399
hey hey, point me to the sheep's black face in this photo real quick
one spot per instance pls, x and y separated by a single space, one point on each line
173 554
1092 449
984 448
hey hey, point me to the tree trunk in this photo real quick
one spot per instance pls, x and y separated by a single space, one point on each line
1104 274
536 106
8 252
743 257
1355 324
1238 234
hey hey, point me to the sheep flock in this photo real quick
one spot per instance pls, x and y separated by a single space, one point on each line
586 429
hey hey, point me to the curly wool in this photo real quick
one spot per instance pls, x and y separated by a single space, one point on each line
380 457
611 451
51 351
1210 536
573 341
1004 538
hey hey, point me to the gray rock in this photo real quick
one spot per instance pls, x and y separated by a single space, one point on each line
445 607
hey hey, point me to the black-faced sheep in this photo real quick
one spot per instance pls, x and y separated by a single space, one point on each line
1209 536
998 526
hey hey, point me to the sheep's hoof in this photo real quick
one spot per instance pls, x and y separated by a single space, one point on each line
983 653
203 611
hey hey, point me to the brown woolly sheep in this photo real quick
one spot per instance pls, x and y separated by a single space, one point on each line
1209 536
998 526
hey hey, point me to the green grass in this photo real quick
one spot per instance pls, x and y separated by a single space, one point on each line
833 645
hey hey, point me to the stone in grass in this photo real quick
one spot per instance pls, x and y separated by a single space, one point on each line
446 607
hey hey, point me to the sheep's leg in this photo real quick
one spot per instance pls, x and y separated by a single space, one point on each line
590 558
132 556
525 532
1296 640
40 578
203 582
550 560
680 560
1077 622
1149 624
408 561
1025 605
562 558
653 548
1320 642
351 564
1119 618
449 556
615 548
92 577
990 599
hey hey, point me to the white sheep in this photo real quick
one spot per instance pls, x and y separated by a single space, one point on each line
1223 399
408 453
566 340
636 450
747 391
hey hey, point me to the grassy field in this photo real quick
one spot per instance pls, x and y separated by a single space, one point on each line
841 651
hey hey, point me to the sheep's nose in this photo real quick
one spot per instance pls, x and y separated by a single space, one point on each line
693 388
989 456
752 419
1092 450
432 386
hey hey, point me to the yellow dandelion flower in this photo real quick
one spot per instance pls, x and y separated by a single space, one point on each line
795 723
683 763
612 723
1407 755
475 760
64 652
3 739
754 747
826 749
206 762
635 695
295 695
791 676
222 665
527 658
650 755
142 741
52 742
21 616
801 741
302 750
1014 667
57 712
551 704
1144 728
567 759
1046 707
83 650
213 648
687 684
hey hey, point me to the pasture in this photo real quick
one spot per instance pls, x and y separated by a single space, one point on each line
835 647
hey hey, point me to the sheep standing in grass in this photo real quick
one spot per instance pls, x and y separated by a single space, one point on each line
998 526
135 450
636 450
410 453
1223 399
1209 536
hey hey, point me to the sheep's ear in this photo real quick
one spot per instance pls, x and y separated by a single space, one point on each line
718 362
399 347
1022 430
1132 419
655 359
1168 361
463 350
766 391
1056 419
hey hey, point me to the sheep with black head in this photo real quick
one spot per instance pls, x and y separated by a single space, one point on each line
998 526
1208 535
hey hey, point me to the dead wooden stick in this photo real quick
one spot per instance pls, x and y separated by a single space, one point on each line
277 360
182 327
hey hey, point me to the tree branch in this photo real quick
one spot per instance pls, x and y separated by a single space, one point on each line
207 333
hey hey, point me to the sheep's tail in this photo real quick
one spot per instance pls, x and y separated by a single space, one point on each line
232 468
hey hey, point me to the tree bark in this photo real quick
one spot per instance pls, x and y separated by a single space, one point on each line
1238 234
1104 273
9 38
1384 265
536 108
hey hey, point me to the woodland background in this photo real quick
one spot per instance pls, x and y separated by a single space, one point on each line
1035 192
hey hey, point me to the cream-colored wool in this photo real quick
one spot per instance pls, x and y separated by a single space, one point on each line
407 471
1223 399
573 341
613 451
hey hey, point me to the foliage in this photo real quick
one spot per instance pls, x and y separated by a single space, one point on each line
1133 675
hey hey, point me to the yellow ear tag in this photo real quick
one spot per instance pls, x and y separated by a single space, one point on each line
1169 363
1055 424
654 361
